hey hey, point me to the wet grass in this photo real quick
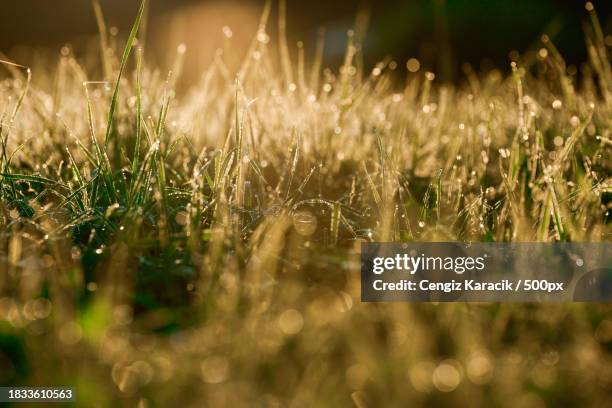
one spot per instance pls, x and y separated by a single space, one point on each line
203 249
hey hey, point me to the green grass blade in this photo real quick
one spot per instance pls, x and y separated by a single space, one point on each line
124 58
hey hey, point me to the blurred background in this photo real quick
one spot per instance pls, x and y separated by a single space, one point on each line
442 34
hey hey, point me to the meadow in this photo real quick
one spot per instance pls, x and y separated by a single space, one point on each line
201 248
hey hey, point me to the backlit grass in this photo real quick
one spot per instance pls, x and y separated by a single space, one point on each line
203 249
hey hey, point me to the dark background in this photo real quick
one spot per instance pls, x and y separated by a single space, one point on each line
441 33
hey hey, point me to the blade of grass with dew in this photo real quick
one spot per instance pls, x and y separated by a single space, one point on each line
136 154
126 54
335 222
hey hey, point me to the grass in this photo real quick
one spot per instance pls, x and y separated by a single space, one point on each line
204 249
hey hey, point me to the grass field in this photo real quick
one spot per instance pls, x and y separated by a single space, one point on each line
202 249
